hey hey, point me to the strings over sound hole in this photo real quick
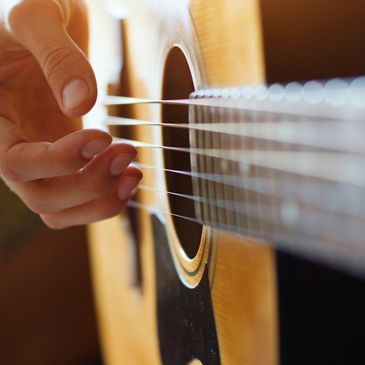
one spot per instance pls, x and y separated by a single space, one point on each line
178 84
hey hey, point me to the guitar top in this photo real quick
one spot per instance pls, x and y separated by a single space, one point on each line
245 241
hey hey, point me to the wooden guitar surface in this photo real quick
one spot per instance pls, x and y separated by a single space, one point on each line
241 274
168 292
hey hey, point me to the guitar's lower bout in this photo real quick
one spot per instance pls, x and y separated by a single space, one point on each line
188 318
228 318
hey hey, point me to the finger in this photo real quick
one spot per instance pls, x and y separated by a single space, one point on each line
90 183
128 182
105 207
23 161
40 26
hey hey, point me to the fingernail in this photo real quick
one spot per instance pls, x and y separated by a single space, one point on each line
94 147
119 163
126 188
75 93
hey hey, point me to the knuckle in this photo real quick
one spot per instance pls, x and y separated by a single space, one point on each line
97 189
60 160
6 168
56 61
95 186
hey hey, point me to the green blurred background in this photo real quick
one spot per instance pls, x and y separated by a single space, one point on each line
16 221
47 313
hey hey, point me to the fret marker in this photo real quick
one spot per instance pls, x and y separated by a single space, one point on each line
290 212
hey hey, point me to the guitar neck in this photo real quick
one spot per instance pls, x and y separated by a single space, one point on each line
282 164
286 166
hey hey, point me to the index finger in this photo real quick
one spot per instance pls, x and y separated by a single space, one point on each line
21 161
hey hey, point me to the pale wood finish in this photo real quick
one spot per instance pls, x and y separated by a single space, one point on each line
222 41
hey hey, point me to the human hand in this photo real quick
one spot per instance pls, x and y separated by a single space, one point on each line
67 175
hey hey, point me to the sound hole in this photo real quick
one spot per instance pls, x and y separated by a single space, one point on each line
178 84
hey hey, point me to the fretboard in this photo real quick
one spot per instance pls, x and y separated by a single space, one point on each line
285 164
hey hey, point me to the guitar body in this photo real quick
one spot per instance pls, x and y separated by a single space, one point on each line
169 292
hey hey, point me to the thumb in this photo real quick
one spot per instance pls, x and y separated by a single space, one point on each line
39 25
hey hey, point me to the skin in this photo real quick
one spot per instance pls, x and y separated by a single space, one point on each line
67 175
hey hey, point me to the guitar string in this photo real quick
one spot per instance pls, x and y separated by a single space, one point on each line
337 111
350 167
134 204
313 247
357 231
293 217
153 209
189 150
347 136
332 166
240 208
255 107
314 195
256 208
309 226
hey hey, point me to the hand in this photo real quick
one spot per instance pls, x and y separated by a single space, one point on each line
67 175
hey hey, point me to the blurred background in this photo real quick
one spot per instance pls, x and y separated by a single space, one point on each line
47 312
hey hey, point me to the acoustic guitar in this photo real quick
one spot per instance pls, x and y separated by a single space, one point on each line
244 244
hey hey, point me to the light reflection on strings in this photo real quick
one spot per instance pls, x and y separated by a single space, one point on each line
292 241
303 216
302 208
347 136
331 166
241 208
315 194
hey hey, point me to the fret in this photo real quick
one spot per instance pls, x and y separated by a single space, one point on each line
202 184
254 172
221 167
205 185
270 225
195 137
235 194
285 208
209 168
290 210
